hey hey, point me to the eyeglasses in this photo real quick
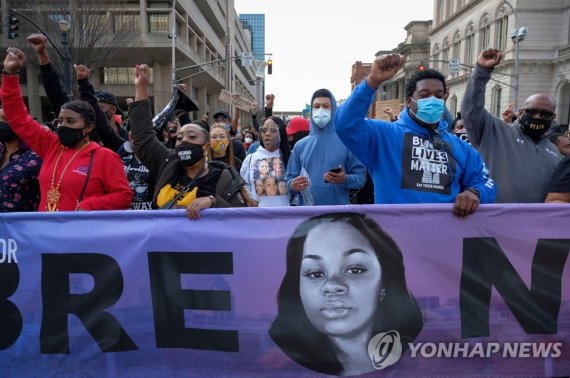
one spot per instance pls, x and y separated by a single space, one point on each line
221 119
544 114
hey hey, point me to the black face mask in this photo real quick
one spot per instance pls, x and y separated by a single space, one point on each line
69 137
534 127
6 133
189 153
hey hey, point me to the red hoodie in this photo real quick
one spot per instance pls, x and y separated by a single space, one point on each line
107 189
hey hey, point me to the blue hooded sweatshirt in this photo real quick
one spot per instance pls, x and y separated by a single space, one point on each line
409 163
320 151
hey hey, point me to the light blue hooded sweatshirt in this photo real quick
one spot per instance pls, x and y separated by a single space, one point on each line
320 151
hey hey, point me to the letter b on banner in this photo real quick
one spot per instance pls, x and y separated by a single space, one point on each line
10 317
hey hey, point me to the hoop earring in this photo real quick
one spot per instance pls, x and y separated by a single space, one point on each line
382 294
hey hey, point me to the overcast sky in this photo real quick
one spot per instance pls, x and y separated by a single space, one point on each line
315 42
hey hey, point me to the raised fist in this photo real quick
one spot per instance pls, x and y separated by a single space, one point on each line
489 58
269 99
384 68
81 71
38 42
15 59
142 74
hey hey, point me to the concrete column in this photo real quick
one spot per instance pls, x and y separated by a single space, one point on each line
144 16
161 91
402 91
202 99
34 100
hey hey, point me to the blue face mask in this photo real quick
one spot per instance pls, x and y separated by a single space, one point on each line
321 117
430 110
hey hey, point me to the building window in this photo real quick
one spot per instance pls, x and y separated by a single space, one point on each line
456 45
469 44
485 33
440 9
120 75
502 28
496 101
445 57
127 22
453 106
158 23
435 57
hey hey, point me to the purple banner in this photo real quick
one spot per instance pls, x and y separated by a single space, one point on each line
391 290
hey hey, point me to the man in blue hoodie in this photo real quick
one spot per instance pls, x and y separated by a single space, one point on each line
415 159
320 161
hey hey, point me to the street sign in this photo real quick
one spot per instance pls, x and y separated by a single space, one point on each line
454 66
246 59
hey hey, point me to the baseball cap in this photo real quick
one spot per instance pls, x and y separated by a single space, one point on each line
298 124
222 113
109 98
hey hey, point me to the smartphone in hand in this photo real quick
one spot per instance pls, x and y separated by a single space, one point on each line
334 170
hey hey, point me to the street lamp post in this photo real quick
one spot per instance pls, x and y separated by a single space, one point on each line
64 28
173 35
516 42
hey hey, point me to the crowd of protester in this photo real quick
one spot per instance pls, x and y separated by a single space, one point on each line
95 158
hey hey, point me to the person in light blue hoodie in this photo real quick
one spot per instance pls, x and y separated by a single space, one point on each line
320 162
415 159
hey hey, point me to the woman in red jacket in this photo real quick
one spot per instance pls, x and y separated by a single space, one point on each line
76 174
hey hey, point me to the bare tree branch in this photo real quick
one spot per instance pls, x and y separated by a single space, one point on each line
98 29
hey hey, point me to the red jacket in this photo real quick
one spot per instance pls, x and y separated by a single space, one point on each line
107 189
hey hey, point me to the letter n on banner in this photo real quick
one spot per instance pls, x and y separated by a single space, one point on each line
485 265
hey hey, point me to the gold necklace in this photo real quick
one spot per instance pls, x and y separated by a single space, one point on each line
54 195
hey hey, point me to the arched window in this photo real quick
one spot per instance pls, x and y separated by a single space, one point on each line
456 52
445 56
502 30
435 57
469 43
453 106
485 32
496 104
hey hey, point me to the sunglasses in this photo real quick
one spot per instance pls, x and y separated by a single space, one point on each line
544 114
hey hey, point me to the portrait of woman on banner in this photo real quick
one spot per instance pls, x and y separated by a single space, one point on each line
344 289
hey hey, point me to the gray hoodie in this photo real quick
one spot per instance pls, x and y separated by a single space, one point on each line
520 167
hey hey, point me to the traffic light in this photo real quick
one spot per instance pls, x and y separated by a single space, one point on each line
422 67
269 67
13 27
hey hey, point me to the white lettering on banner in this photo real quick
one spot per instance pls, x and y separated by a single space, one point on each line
481 350
8 249
235 99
